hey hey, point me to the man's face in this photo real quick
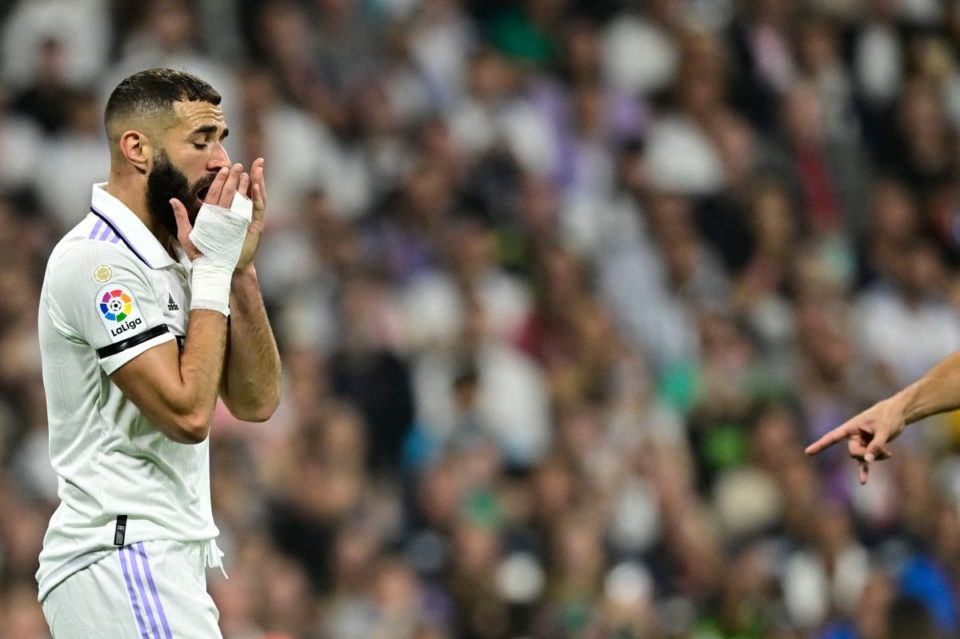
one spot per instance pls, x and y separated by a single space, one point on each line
166 181
187 162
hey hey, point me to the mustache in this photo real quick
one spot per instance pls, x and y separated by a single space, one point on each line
203 185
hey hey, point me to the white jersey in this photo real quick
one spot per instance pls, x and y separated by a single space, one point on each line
110 293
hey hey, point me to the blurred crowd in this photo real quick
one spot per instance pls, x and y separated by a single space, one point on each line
562 288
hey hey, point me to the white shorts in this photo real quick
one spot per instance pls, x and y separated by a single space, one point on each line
148 590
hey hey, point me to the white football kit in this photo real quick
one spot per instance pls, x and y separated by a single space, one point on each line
135 505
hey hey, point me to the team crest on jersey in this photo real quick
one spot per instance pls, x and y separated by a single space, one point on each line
102 273
119 311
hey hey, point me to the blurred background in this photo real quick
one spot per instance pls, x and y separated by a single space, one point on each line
562 288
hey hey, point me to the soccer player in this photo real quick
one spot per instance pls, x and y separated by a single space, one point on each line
150 309
869 433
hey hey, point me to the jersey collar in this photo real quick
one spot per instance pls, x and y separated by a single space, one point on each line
128 226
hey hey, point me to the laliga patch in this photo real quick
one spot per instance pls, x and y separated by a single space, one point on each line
119 312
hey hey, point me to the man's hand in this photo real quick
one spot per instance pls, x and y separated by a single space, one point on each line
867 434
229 180
214 242
255 230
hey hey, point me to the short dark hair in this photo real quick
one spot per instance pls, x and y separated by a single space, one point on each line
155 91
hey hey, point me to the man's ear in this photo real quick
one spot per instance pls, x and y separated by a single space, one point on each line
136 149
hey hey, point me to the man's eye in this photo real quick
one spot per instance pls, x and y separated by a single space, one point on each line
200 145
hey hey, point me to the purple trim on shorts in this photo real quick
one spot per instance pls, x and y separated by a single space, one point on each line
96 229
133 595
143 592
140 550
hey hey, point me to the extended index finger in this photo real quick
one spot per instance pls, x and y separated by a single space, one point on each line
838 434
213 193
231 185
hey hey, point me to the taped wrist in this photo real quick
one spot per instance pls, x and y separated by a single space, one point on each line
210 285
218 234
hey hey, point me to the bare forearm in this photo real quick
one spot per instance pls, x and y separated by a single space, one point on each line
251 376
201 362
938 391
178 391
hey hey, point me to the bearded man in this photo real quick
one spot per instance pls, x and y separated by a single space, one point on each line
150 310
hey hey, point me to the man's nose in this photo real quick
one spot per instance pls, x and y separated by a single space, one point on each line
219 159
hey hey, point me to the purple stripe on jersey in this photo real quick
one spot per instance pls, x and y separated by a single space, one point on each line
96 229
143 593
116 229
140 550
133 595
106 233
114 239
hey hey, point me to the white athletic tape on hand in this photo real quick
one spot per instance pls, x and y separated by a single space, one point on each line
242 205
218 234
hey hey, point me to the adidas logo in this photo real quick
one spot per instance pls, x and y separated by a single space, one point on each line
171 304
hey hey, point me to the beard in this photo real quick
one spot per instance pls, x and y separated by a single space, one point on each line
167 181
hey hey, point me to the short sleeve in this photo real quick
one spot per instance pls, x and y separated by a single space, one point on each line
105 298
